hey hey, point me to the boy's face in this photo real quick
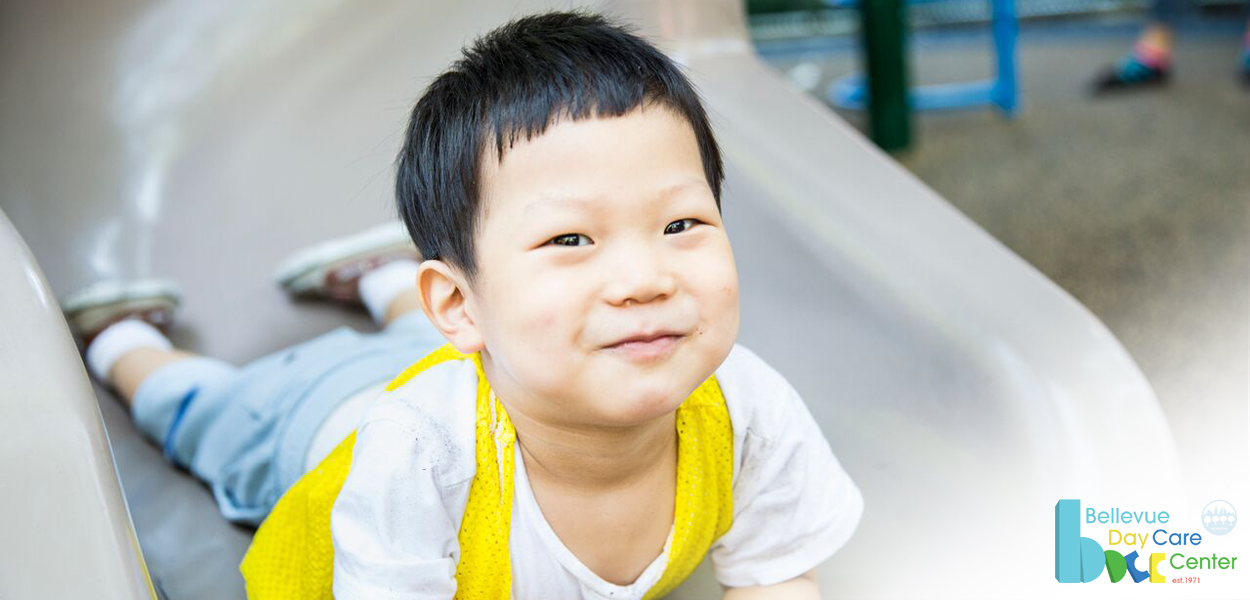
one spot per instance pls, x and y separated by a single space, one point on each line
597 231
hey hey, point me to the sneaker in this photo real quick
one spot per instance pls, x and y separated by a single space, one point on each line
92 309
332 270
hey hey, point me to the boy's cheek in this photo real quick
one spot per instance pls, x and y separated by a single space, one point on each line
543 321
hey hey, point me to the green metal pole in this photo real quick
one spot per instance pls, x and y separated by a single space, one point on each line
884 34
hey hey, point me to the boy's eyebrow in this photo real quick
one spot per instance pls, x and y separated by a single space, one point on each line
577 202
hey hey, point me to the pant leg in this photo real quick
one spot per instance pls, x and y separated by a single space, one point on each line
249 436
246 431
203 414
163 397
228 434
218 421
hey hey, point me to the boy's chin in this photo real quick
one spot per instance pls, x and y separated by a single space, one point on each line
640 409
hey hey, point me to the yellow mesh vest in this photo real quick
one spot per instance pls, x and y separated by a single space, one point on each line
292 555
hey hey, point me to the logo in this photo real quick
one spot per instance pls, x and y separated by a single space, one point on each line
1219 517
1081 560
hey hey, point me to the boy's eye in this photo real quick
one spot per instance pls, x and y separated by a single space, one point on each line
563 240
670 228
571 239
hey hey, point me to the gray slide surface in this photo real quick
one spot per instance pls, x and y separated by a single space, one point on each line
204 140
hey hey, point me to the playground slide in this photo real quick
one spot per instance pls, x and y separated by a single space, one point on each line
202 141
63 511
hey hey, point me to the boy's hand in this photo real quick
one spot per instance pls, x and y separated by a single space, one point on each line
802 587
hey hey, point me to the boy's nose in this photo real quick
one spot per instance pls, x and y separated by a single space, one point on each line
639 274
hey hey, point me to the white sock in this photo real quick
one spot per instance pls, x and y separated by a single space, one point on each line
381 285
118 339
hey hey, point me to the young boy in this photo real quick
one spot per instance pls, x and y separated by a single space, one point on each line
591 430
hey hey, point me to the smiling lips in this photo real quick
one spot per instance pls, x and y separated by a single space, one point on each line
647 347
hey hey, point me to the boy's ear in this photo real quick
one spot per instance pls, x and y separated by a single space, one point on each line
446 305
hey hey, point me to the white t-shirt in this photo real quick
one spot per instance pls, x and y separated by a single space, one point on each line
396 519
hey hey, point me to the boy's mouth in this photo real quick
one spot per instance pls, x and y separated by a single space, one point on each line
646 347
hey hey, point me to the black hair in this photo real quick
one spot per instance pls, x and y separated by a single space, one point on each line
524 76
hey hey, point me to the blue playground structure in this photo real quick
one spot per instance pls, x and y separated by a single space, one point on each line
851 92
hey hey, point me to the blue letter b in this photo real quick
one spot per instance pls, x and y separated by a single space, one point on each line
1077 559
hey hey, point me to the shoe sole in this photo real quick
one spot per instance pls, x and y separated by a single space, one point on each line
305 270
105 293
